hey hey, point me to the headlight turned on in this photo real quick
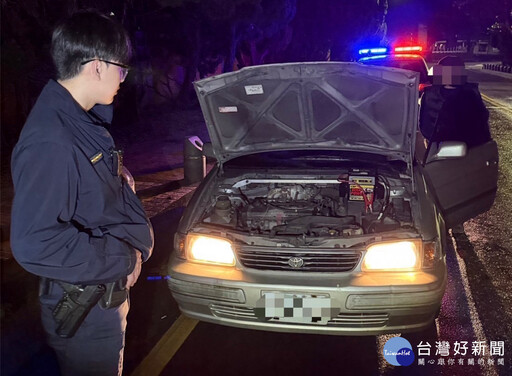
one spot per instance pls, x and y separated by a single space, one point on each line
392 256
209 250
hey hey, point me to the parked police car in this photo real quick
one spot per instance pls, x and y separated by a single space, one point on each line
403 57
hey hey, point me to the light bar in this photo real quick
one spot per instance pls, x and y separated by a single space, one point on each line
408 49
381 50
376 50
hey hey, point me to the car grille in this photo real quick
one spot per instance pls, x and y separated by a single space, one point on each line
346 320
298 260
360 320
233 312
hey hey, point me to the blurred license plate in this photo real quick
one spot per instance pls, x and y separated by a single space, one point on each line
296 308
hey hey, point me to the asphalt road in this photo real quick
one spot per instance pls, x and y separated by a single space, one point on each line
477 306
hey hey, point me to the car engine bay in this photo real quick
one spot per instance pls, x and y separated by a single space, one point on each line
353 203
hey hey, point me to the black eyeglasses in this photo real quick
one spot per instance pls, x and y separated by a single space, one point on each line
123 72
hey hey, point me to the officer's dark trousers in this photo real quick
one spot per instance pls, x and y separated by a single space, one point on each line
98 345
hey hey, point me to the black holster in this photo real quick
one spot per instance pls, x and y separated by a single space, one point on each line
78 300
115 294
74 306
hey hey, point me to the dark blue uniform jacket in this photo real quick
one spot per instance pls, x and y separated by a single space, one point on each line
73 219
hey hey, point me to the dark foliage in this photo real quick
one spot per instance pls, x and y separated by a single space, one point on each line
178 41
501 38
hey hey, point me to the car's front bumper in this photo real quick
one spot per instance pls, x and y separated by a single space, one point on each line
370 303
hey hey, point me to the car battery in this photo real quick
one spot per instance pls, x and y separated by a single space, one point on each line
360 185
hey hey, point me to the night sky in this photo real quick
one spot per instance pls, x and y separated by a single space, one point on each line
404 15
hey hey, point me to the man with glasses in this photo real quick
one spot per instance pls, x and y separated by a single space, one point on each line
123 71
76 222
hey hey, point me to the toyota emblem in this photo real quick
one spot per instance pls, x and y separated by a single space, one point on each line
296 262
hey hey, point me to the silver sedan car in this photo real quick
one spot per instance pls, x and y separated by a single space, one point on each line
317 218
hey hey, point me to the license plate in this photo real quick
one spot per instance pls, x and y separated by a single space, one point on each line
296 308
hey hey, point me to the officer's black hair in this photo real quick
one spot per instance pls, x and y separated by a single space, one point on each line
87 35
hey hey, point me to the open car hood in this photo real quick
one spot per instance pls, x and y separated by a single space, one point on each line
321 105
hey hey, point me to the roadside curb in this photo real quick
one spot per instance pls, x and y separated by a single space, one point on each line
498 67
168 200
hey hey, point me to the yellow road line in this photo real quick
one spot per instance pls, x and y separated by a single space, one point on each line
165 349
496 103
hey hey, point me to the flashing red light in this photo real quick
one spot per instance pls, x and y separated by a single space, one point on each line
408 49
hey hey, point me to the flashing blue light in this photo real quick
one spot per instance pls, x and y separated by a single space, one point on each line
376 57
376 50
158 277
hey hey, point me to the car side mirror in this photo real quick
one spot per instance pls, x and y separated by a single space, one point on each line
447 150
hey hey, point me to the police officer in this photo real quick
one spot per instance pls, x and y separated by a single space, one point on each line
76 222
